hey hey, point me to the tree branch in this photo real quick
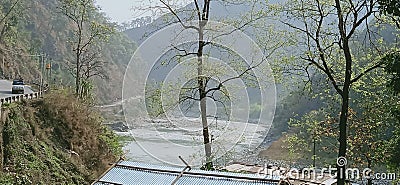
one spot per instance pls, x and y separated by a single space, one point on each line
9 11
366 71
177 17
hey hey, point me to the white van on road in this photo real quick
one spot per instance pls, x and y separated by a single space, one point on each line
18 87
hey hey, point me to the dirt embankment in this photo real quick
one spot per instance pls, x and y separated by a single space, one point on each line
54 140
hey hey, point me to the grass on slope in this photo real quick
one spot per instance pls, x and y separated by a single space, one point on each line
37 138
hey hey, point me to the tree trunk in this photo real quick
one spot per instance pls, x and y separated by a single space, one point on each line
78 53
369 181
203 101
344 112
341 177
77 78
343 137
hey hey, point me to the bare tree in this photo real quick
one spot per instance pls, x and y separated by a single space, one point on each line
92 66
87 32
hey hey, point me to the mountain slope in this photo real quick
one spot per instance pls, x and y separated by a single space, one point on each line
39 28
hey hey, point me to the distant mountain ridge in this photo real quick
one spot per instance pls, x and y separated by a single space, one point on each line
218 11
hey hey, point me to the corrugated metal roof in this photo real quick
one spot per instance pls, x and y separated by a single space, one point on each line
134 173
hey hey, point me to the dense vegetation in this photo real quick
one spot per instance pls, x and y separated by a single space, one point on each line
33 28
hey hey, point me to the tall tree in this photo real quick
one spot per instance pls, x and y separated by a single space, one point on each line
328 29
87 33
205 86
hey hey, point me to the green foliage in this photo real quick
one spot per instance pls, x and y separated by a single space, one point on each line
394 150
11 19
154 105
392 67
295 145
390 6
87 91
125 139
112 140
315 127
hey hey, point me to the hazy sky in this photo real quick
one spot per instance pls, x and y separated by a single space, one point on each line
126 10
119 10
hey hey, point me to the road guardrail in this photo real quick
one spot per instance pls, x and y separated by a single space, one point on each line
20 97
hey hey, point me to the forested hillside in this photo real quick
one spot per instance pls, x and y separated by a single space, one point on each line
32 28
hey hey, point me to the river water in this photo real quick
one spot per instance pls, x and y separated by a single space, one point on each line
162 141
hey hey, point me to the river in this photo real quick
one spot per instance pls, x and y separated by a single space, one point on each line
162 141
